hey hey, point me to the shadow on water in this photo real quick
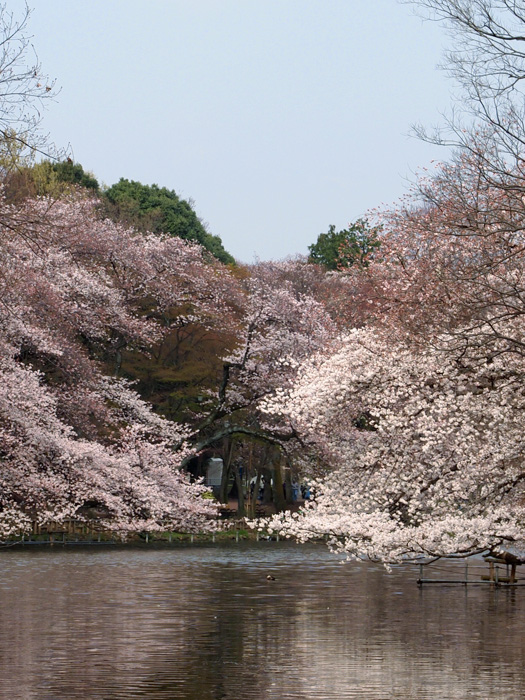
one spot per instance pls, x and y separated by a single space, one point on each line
205 623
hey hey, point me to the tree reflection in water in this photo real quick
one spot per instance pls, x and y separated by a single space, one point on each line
203 623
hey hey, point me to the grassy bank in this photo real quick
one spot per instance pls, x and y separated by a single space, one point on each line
141 539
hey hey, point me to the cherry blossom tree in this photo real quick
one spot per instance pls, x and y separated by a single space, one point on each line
74 291
49 473
78 293
419 413
428 452
452 258
277 327
279 322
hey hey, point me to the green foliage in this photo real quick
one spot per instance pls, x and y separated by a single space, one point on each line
145 207
74 173
157 209
56 178
22 178
355 245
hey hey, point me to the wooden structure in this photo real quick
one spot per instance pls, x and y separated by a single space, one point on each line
509 561
501 572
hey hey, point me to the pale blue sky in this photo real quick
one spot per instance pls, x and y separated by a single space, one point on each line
277 117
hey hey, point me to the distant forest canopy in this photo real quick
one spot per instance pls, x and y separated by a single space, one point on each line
157 209
144 207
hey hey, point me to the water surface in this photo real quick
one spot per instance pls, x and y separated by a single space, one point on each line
204 623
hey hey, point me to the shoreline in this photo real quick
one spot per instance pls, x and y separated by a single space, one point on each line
164 539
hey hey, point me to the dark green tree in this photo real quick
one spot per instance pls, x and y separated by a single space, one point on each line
355 245
157 209
74 174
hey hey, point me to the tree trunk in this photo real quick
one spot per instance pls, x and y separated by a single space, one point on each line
240 493
288 484
267 496
278 494
254 496
226 471
225 480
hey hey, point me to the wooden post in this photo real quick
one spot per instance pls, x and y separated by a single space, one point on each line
513 573
491 571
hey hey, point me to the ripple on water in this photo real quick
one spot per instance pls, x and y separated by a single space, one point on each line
204 623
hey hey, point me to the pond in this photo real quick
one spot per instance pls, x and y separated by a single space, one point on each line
204 623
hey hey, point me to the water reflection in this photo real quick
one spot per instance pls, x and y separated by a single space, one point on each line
204 623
